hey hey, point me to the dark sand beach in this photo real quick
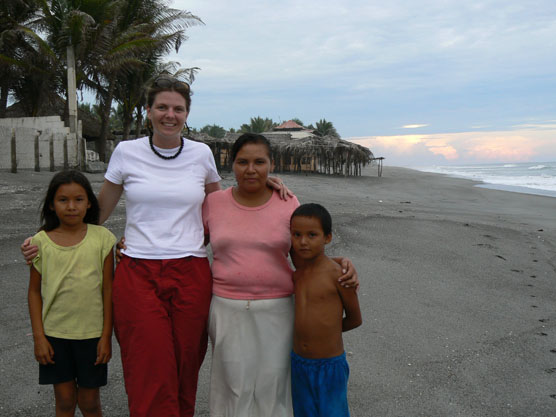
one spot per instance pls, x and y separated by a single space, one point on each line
458 294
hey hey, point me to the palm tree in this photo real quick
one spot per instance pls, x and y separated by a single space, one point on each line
325 128
140 34
298 121
214 130
258 125
22 56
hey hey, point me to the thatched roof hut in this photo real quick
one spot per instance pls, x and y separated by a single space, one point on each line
326 155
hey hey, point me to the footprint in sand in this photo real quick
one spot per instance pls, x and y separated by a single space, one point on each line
550 370
486 245
490 237
517 270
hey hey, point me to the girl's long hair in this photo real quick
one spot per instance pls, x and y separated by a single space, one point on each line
49 220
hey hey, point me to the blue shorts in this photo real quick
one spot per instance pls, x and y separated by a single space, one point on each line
74 361
319 386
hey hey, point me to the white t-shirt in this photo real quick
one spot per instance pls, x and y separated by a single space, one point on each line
163 197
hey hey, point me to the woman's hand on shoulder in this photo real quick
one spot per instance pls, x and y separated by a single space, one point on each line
277 184
349 278
29 251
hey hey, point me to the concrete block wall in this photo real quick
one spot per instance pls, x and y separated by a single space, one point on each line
40 143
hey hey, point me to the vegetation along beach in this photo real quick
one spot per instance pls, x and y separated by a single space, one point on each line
457 294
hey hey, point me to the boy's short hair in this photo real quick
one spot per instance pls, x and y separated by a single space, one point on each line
317 211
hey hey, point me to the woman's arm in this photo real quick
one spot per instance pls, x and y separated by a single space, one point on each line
108 197
29 251
104 347
278 185
212 187
349 277
44 353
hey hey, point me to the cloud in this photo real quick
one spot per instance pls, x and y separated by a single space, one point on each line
550 124
370 68
464 147
415 126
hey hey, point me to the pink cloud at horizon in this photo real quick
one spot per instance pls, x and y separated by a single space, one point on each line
523 145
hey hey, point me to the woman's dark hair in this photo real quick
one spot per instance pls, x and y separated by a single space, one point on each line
166 82
318 212
49 220
250 138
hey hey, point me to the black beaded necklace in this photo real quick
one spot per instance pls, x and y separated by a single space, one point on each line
164 156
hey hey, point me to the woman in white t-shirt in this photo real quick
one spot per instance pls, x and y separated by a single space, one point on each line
162 286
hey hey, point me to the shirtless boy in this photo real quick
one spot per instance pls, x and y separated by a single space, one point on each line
319 368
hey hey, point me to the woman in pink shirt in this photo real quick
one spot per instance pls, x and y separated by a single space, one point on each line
252 309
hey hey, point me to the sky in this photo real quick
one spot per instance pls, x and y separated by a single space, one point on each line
419 82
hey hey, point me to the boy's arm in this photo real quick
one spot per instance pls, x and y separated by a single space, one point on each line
104 347
44 353
350 302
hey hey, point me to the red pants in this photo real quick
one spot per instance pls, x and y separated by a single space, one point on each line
160 317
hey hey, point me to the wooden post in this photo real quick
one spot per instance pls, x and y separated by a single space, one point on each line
37 154
66 163
380 165
14 153
51 146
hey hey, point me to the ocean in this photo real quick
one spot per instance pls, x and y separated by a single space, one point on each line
528 177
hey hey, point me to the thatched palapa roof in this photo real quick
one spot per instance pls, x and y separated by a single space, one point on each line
327 155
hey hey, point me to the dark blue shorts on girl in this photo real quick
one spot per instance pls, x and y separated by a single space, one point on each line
74 361
319 386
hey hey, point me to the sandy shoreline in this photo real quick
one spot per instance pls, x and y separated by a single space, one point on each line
458 295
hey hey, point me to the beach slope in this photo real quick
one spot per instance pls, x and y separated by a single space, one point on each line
458 295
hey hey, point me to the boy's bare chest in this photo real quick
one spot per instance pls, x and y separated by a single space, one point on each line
314 290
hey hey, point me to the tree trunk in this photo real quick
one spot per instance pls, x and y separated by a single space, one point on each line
138 122
126 126
72 91
105 120
3 99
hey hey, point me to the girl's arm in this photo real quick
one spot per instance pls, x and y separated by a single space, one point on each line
108 197
352 311
104 347
44 353
349 277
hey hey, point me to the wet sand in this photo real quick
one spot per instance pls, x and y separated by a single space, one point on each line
458 294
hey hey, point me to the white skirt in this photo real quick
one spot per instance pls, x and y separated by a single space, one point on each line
251 345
